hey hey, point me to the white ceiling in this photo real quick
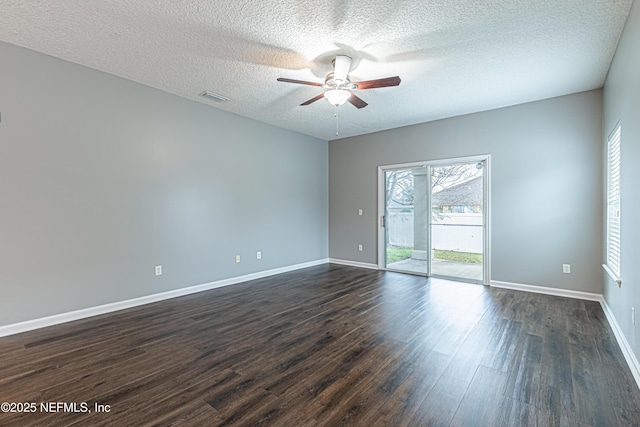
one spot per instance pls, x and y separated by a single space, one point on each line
454 57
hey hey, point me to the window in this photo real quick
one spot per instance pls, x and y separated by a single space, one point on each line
613 204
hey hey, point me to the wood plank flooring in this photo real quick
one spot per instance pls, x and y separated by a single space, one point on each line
329 346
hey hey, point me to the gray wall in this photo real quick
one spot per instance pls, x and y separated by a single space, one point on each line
101 179
545 172
622 102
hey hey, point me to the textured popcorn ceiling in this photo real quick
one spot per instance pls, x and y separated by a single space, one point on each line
454 57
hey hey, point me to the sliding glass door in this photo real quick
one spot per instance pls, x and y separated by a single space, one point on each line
405 202
457 220
433 218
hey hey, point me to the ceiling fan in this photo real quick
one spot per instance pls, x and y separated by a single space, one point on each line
341 87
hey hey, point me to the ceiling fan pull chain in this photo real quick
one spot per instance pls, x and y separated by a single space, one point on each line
336 116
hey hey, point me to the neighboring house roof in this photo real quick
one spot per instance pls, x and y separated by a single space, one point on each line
468 193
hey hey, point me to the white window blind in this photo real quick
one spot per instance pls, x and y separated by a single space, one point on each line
613 202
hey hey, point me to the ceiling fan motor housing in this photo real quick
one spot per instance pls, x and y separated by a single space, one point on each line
330 82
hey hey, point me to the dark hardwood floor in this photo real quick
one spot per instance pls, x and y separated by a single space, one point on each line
330 346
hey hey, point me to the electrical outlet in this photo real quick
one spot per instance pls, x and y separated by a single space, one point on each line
158 270
237 259
258 255
633 315
566 268
359 248
360 212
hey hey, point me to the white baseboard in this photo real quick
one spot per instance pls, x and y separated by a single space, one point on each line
548 291
631 359
353 263
56 319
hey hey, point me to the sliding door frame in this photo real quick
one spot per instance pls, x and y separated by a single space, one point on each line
382 186
486 158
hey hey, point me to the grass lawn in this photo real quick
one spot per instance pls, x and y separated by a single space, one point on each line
398 253
457 256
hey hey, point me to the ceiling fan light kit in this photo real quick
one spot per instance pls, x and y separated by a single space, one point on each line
337 97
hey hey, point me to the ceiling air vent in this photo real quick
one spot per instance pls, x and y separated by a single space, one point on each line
213 96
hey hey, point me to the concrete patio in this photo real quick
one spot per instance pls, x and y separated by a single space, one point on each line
462 270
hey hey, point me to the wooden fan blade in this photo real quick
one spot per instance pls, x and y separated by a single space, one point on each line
372 84
314 99
341 67
300 82
356 101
